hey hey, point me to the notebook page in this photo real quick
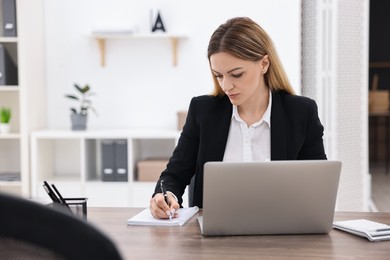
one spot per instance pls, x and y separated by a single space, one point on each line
145 218
373 231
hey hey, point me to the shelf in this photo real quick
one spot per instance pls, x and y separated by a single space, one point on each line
53 150
102 37
8 39
10 183
105 133
26 98
10 136
9 88
61 178
11 187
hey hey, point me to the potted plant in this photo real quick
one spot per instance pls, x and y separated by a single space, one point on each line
5 117
79 114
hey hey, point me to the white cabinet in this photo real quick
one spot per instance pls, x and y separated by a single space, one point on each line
72 161
24 98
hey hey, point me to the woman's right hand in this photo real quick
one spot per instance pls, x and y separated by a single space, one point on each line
160 209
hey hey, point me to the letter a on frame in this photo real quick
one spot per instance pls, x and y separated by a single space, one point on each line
158 24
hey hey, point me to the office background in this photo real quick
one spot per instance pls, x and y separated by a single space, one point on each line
139 86
323 46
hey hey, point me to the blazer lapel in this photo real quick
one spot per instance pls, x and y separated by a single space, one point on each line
220 123
219 130
278 129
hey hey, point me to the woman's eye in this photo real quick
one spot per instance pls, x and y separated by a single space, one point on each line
218 76
237 75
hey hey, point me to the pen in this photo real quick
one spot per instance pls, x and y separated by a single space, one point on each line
164 192
63 202
50 192
54 198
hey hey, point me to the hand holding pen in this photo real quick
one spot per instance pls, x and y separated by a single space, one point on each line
164 192
163 204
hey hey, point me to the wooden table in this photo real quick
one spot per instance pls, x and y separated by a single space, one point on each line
144 242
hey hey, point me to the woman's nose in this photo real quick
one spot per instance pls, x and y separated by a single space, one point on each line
226 85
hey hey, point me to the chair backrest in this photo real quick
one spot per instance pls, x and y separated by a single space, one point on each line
40 232
191 188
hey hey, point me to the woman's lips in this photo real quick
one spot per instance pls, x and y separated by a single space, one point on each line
233 96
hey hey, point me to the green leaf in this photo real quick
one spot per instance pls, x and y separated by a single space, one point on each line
85 89
85 102
72 97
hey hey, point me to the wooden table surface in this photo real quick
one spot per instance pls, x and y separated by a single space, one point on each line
186 242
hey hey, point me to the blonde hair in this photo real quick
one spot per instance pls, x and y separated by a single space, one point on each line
245 39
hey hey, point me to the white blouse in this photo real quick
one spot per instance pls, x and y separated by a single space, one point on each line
248 144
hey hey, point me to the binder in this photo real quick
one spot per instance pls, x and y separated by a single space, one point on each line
114 160
108 163
9 18
121 160
8 69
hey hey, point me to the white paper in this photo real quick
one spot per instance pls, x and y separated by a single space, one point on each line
145 218
373 231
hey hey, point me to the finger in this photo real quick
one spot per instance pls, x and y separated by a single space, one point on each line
160 201
159 208
157 212
169 208
174 206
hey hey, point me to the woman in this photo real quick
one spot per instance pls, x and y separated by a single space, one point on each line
252 115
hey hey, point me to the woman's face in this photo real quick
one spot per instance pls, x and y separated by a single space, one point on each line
241 80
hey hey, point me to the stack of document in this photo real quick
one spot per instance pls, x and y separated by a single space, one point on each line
373 231
145 218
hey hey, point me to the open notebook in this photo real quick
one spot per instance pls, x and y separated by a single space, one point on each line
145 218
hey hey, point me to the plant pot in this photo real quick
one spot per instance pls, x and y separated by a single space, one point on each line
4 128
79 121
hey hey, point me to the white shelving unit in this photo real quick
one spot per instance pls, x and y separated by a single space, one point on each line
72 159
10 143
24 99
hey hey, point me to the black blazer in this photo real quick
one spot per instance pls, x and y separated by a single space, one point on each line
296 134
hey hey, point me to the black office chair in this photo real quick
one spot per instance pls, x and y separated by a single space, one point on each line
29 230
191 188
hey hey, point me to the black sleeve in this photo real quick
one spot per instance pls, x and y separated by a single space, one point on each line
313 147
181 165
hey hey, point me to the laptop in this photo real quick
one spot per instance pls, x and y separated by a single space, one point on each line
274 197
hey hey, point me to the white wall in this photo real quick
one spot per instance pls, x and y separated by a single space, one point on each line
335 73
139 87
351 141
